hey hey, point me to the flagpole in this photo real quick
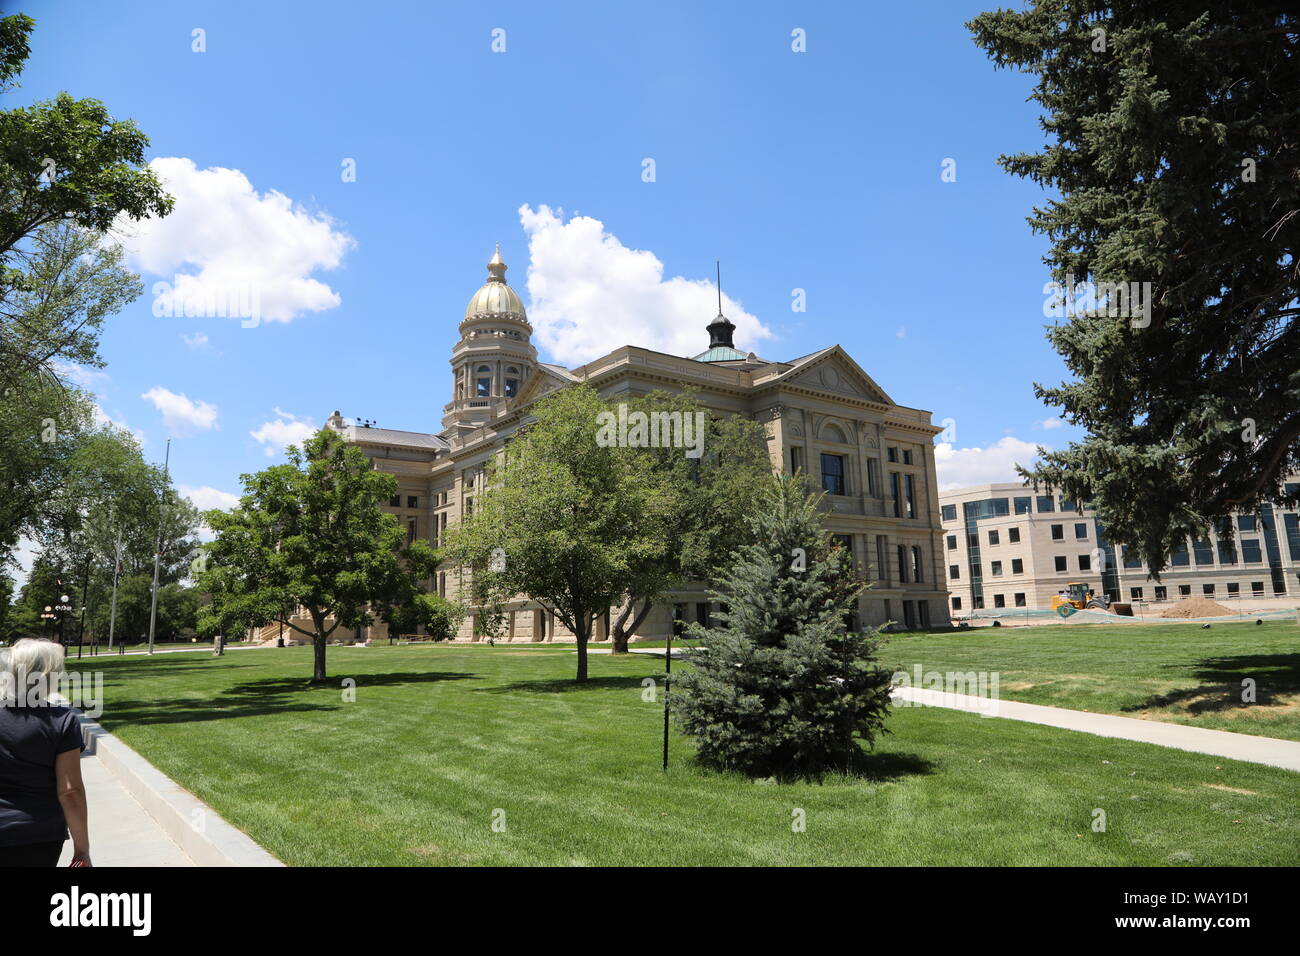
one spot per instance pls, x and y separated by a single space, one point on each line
157 551
117 570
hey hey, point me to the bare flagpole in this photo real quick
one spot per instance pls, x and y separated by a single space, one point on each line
117 571
157 551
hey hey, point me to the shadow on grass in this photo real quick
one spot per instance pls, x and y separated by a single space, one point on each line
274 695
297 685
873 767
564 685
1275 675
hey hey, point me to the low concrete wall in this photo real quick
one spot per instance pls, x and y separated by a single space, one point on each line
191 824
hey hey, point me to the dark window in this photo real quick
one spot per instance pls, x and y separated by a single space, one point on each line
833 474
1234 588
993 537
973 540
412 501
1184 590
917 576
1020 599
796 460
999 600
483 384
893 493
1060 563
1080 531
1067 504
1017 566
1023 505
1131 559
512 386
949 512
910 484
1162 592
893 454
1046 503
1246 523
1207 589
1013 535
1257 588
1204 553
1180 557
996 568
395 501
1292 525
1085 562
1250 552
976 571
1135 593
956 604
902 564
702 613
907 456
954 572
1058 532
952 542
410 531
1227 552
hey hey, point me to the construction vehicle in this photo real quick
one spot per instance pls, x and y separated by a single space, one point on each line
1079 596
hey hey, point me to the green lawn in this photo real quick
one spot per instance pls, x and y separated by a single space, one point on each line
1174 672
441 737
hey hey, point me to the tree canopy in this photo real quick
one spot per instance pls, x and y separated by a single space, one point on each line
1175 161
311 534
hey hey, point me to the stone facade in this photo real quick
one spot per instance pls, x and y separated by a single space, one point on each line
823 414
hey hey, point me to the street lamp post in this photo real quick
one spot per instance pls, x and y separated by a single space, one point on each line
157 551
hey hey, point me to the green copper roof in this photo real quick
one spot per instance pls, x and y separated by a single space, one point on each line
721 353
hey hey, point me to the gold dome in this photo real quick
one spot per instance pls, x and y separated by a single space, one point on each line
495 297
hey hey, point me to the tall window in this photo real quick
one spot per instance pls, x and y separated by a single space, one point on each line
483 383
833 474
916 565
512 381
893 493
873 477
796 459
902 564
909 483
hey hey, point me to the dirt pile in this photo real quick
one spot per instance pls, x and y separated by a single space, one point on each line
1197 607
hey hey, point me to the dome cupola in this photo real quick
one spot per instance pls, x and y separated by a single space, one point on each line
495 298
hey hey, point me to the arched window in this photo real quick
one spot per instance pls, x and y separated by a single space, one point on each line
512 381
483 384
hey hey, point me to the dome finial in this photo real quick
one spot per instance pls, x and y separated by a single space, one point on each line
497 266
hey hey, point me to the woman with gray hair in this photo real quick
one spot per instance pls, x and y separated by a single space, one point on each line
42 797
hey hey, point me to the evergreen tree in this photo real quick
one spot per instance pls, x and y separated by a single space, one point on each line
1173 160
782 687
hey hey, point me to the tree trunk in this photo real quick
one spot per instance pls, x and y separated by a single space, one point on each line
583 635
318 666
623 631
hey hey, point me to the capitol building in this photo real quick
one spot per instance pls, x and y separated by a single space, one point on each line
823 414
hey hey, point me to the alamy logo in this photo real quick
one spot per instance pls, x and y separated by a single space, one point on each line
74 908
652 430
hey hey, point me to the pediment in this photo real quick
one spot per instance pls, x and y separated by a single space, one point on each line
834 372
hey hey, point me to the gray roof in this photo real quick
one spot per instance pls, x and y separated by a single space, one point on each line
391 436
722 353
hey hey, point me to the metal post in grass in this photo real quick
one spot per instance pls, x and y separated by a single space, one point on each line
668 671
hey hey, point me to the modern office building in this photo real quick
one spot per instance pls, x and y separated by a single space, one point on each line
1007 547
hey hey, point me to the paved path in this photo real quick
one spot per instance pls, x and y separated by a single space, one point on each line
121 832
1220 743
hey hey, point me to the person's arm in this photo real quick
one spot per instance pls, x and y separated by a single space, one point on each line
72 795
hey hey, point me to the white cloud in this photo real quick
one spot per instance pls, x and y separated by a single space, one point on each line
901 333
1050 423
196 341
180 414
591 294
287 429
206 498
958 467
224 241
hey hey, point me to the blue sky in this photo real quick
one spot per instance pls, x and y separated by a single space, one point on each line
817 171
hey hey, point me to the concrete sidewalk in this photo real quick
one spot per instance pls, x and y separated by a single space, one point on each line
122 833
1219 743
